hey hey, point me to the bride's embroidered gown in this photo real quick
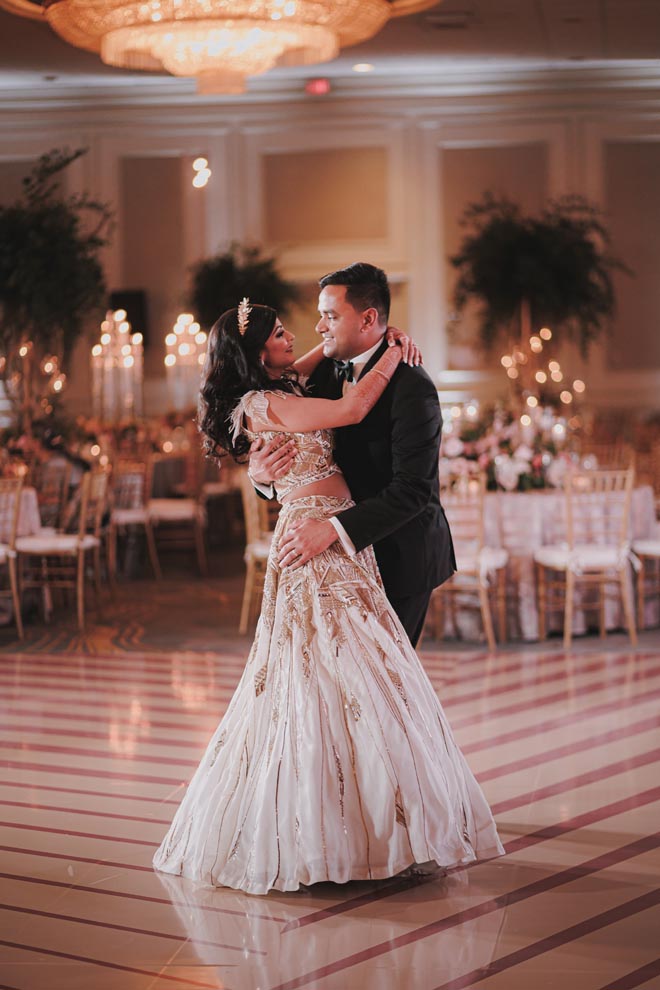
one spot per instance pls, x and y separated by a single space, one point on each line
334 760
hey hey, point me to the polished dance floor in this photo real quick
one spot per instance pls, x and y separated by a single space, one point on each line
99 734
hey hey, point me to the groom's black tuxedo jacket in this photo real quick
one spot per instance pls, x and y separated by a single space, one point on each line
390 461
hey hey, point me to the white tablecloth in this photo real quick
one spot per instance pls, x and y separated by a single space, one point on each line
523 521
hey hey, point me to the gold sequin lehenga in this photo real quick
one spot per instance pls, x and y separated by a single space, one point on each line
334 760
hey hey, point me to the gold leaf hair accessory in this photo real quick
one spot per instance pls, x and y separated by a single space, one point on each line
244 310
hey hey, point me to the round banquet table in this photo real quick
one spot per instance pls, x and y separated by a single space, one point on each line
523 521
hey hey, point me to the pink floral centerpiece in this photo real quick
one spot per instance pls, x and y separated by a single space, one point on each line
516 453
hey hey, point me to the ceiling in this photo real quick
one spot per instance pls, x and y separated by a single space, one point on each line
471 34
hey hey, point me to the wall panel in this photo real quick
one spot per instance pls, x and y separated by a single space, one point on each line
317 196
632 193
323 196
518 172
11 179
151 251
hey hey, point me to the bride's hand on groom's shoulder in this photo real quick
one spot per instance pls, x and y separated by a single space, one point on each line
270 461
411 352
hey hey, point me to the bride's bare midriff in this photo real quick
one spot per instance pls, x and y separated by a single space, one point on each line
335 486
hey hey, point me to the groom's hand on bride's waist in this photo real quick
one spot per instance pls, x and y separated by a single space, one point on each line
270 461
304 540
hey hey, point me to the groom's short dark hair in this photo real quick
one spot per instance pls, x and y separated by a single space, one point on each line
366 287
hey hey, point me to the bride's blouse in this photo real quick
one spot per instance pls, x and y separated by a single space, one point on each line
315 461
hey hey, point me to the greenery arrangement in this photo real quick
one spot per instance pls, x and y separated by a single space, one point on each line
555 266
51 282
219 283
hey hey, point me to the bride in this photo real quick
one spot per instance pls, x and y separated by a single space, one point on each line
334 760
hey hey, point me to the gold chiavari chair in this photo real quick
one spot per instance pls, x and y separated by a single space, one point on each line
51 479
58 560
647 552
614 456
476 563
519 520
130 493
181 522
10 503
654 460
595 550
257 547
221 483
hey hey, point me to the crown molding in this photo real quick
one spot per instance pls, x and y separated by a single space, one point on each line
452 83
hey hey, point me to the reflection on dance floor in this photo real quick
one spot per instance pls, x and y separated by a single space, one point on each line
97 748
300 933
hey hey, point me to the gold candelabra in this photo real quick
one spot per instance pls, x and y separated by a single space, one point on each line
186 350
117 370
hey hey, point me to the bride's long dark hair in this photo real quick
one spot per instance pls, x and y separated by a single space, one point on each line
233 367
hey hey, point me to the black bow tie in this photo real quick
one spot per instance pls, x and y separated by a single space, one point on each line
344 371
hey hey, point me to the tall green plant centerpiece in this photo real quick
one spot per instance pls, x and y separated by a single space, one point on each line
51 283
554 268
219 283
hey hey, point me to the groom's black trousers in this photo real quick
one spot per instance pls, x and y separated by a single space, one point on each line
412 612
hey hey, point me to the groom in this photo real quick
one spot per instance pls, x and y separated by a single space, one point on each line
390 459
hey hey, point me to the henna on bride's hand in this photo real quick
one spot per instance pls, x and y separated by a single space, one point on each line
411 353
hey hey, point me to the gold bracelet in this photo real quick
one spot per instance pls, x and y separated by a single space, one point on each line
382 374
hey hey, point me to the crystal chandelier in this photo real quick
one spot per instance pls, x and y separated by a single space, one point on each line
220 42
